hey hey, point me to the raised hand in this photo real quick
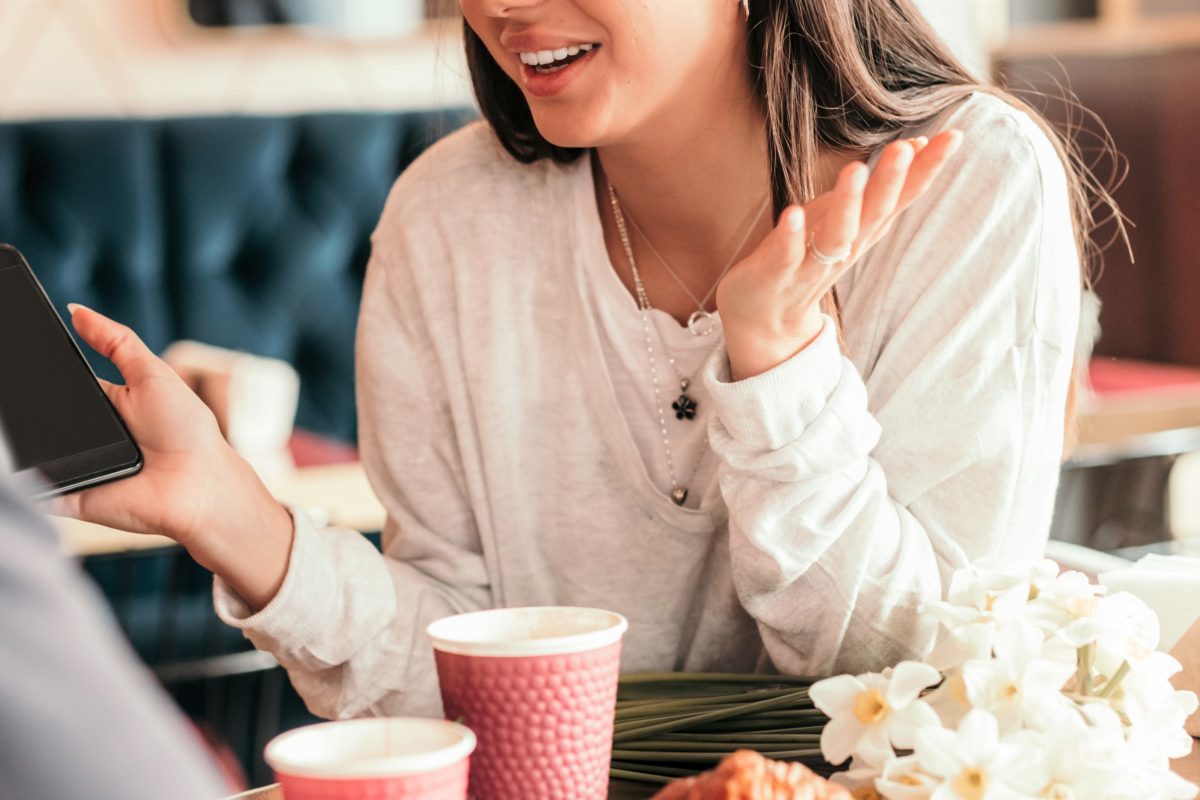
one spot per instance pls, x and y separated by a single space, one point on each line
770 301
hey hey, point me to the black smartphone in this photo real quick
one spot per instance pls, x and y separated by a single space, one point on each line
62 432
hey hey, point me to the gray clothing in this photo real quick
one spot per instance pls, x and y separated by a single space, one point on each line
79 718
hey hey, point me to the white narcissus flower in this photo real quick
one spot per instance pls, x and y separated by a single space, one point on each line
1018 686
1156 712
1121 625
872 713
859 780
1056 602
973 763
1087 761
903 779
950 700
978 605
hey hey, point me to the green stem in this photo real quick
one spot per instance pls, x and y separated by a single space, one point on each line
671 678
639 777
678 757
645 708
629 734
1085 669
1111 686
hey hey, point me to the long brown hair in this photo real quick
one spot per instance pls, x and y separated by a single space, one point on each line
845 76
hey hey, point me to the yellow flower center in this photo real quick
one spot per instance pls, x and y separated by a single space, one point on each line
971 784
907 780
866 793
1010 691
1058 791
870 707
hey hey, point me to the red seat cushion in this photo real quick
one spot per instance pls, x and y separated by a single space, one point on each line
313 450
1111 377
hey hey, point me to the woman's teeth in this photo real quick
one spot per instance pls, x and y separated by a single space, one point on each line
554 60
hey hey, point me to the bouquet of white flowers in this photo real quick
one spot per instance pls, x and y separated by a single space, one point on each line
1041 686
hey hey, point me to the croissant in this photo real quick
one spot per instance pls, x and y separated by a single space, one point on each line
746 775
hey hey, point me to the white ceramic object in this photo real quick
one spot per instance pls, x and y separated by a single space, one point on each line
1168 584
253 398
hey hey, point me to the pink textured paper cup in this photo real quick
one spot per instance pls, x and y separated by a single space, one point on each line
539 688
373 759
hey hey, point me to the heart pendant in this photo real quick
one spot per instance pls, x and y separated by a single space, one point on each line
679 495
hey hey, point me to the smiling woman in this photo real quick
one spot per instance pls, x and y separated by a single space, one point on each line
594 370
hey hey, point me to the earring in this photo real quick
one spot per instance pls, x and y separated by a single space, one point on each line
746 8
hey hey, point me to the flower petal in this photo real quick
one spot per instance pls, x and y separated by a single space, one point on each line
835 696
937 752
874 747
839 739
1018 643
904 723
909 679
978 737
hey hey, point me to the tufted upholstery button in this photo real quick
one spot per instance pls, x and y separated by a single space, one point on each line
250 233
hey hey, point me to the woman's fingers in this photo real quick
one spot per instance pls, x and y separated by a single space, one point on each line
928 164
840 226
887 182
116 342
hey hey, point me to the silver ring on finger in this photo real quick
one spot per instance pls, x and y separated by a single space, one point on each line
824 258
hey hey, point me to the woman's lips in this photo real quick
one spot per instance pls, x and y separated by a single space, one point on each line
548 84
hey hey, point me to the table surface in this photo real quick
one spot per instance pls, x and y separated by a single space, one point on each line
618 790
338 494
1188 767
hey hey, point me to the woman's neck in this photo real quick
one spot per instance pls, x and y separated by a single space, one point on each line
692 184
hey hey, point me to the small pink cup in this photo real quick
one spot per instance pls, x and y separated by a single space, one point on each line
373 759
539 688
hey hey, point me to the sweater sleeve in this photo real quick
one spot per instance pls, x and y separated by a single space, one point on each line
852 500
348 623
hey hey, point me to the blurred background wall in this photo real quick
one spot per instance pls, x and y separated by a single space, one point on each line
146 58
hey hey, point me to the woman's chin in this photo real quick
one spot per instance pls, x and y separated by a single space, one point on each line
568 132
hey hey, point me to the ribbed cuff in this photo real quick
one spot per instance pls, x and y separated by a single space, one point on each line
772 409
290 616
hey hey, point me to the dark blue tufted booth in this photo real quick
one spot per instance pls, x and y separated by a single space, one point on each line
245 232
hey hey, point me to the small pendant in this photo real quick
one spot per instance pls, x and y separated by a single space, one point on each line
685 407
679 495
700 323
684 384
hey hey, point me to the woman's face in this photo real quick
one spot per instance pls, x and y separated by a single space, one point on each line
599 72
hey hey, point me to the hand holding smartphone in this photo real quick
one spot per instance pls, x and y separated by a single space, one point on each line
192 486
62 432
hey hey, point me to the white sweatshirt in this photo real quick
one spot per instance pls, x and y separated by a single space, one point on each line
850 483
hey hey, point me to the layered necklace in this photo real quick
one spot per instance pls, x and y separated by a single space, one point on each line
700 323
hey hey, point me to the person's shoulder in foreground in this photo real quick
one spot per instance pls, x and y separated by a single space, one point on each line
79 719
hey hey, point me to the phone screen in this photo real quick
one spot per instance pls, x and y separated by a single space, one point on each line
50 404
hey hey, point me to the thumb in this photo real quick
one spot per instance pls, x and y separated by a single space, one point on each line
116 342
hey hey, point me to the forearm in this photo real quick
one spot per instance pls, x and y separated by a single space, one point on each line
833 571
821 551
244 537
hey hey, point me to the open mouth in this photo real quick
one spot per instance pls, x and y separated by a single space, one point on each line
545 62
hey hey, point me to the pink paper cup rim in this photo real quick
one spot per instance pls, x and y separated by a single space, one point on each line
379 747
534 631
